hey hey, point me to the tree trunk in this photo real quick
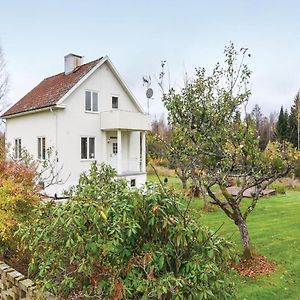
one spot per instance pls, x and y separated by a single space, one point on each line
183 181
195 191
241 223
205 201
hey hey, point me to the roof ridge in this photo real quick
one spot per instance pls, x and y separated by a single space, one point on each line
51 89
78 68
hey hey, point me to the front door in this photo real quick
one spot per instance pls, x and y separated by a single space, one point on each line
113 152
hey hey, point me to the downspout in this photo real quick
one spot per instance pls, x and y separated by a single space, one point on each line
55 150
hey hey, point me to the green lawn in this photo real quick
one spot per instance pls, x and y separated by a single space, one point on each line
274 228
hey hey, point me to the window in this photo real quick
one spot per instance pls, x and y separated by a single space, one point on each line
91 101
115 147
41 148
87 148
18 148
132 183
114 102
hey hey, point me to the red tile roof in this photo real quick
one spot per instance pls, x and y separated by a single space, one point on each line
48 92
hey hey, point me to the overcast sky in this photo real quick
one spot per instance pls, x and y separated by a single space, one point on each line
137 35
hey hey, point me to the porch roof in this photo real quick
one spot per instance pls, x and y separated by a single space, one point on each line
124 120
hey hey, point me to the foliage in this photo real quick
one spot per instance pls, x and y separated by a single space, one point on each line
287 124
113 242
282 125
274 226
183 165
297 166
155 148
207 111
47 171
2 147
18 196
264 127
293 120
160 162
162 171
156 139
280 188
275 216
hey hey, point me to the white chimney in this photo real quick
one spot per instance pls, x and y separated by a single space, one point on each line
72 61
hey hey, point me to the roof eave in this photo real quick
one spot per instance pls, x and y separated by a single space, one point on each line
115 72
59 103
32 111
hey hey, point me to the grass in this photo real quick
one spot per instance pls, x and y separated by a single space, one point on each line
274 228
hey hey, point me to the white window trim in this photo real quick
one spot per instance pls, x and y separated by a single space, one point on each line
91 111
41 158
19 152
116 143
88 159
118 96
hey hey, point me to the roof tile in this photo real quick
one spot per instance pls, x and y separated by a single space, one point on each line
48 92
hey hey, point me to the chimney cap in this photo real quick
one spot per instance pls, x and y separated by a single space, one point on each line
72 54
72 62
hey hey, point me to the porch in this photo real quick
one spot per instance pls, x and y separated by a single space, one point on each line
125 151
124 134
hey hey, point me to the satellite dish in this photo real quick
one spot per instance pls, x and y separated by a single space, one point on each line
149 93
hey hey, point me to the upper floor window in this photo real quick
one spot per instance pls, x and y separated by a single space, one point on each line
18 148
91 101
87 148
114 102
41 147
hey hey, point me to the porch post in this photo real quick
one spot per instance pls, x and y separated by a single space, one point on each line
104 143
143 146
119 140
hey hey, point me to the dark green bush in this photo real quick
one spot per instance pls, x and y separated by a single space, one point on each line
113 242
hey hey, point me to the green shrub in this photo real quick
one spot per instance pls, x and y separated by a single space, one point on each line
279 187
120 243
18 196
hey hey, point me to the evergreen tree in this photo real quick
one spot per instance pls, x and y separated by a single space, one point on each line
282 125
293 121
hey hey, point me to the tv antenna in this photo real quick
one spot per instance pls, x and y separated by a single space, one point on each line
149 91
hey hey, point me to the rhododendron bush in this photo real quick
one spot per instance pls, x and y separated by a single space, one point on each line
112 242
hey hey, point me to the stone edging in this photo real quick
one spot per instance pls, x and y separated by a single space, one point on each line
15 286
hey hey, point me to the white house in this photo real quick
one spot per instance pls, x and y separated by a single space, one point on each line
85 113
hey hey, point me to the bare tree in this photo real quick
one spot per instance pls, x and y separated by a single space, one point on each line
3 78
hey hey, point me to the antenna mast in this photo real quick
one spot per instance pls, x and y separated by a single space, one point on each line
149 91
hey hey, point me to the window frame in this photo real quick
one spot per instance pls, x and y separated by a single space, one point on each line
41 149
115 96
92 92
18 148
133 182
88 137
115 147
